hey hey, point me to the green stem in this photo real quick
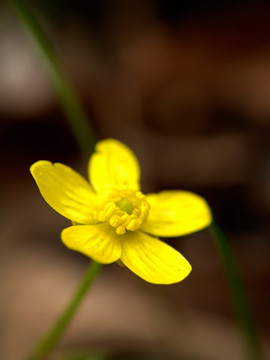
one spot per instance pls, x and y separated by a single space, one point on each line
50 340
238 294
68 99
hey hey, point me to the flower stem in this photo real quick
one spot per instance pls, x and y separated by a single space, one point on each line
68 99
238 294
50 340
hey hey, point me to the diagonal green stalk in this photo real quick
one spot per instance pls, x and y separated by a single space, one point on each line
238 294
51 339
67 97
85 138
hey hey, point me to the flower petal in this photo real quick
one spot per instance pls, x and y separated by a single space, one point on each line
176 213
65 191
99 242
152 259
113 164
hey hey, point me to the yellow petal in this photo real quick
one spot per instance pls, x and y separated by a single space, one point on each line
176 213
152 259
65 191
113 164
99 242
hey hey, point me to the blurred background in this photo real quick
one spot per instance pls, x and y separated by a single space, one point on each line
186 85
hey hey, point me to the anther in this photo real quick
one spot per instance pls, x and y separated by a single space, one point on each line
123 209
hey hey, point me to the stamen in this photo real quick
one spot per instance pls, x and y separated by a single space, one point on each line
123 209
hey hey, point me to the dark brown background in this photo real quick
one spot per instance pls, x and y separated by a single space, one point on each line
187 86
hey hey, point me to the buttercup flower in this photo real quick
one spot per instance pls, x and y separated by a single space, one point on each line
114 221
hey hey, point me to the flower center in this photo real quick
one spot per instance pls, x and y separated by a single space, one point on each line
125 205
123 209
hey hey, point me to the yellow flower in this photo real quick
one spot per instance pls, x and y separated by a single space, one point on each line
114 221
